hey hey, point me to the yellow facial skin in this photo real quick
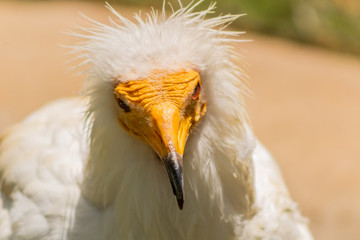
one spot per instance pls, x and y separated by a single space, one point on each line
162 109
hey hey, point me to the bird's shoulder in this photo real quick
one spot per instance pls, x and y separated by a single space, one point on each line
41 160
277 215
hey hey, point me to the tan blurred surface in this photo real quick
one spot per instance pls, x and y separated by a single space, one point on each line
305 107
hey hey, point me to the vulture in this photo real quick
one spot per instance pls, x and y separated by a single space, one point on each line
158 147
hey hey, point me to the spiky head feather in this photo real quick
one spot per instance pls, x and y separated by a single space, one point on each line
128 50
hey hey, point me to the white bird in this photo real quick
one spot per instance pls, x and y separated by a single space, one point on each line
106 165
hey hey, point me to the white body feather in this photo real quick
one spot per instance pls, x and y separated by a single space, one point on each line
62 177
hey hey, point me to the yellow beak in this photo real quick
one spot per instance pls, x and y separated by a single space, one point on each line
171 132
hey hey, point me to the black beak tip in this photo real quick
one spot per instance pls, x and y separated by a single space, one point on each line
173 164
180 202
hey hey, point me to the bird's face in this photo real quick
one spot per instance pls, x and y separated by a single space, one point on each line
161 110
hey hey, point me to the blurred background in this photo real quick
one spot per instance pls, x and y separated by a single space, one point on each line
332 24
304 67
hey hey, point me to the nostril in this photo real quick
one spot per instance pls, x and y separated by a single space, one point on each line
161 140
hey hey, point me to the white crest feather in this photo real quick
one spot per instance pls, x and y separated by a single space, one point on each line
185 39
154 41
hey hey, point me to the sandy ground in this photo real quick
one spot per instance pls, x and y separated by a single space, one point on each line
305 107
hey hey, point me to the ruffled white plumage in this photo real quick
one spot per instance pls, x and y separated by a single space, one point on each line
62 177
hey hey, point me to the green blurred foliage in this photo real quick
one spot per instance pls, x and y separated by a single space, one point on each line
321 22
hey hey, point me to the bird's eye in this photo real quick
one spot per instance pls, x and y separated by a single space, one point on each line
196 93
123 105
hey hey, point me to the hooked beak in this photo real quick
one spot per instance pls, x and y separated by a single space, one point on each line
169 142
173 165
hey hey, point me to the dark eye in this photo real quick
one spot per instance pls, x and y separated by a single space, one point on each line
123 105
196 93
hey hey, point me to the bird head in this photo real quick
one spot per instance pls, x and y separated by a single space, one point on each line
161 110
164 74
